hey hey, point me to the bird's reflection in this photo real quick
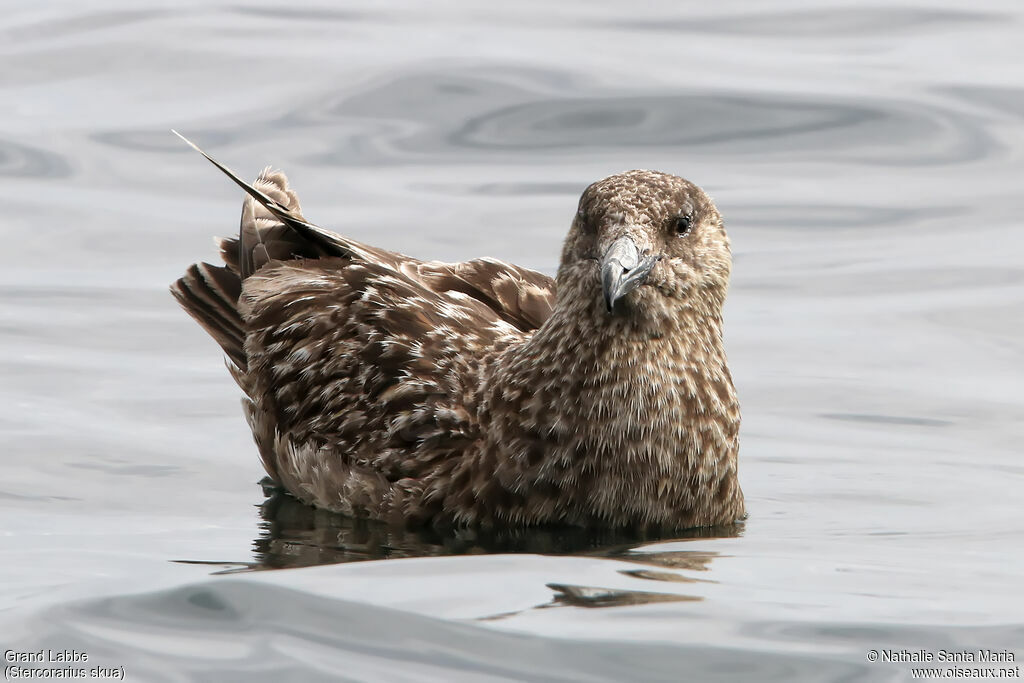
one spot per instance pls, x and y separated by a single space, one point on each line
296 535
293 534
593 596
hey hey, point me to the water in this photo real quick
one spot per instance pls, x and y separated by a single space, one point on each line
867 162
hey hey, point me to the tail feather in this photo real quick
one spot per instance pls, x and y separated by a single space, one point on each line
263 237
230 252
324 242
272 229
210 295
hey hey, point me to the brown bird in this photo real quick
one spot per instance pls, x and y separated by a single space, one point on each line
482 393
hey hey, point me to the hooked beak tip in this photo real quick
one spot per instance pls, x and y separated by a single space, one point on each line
623 269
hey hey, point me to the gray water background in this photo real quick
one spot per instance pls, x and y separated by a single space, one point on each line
868 162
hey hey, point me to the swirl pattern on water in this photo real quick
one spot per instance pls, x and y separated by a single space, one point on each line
446 115
23 161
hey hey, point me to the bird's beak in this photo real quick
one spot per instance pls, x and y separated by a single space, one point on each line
623 269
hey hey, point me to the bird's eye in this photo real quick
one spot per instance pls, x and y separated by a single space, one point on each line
683 225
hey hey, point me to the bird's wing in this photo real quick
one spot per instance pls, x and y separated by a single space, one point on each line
370 353
365 360
521 297
283 206
210 293
274 229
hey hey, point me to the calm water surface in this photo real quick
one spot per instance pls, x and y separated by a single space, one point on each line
867 162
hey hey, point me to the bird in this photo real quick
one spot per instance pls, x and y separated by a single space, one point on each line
480 393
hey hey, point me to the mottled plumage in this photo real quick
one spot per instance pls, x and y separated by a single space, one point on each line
481 393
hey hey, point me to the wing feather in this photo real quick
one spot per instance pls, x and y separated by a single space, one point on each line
361 365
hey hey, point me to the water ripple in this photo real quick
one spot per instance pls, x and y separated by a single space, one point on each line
161 140
836 217
848 22
22 161
438 116
294 13
253 631
68 26
746 124
1002 100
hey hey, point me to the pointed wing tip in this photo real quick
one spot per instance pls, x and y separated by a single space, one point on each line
227 171
275 208
185 139
191 144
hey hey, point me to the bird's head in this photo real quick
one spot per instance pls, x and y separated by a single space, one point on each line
646 244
